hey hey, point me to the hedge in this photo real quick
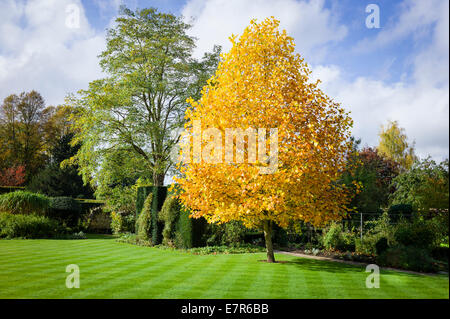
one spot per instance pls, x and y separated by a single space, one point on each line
22 202
8 189
142 193
189 231
144 220
159 194
28 226
65 209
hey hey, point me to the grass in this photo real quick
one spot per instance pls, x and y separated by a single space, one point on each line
108 269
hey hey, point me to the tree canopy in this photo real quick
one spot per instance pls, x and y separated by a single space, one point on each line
140 105
262 83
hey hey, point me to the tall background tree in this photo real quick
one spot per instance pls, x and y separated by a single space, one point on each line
374 173
261 83
22 132
138 108
394 145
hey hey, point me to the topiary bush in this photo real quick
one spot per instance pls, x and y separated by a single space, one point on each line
144 221
142 193
159 196
381 246
232 233
409 258
28 226
169 214
22 202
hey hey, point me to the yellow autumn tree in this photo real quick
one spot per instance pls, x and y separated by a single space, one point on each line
261 94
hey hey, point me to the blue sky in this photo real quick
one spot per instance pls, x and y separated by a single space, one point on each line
396 72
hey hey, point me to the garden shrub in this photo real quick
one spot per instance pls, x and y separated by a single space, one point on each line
337 239
381 245
65 209
29 226
189 232
98 221
169 214
159 196
407 257
419 233
144 221
8 189
23 202
400 211
183 237
332 236
376 229
231 233
142 193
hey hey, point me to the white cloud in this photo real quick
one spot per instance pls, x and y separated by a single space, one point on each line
311 25
421 105
39 51
423 112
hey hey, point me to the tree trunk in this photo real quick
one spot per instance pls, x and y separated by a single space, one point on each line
158 179
268 240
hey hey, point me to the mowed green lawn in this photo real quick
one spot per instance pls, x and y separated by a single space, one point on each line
108 269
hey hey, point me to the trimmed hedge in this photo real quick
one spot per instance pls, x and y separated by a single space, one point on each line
144 221
8 189
189 231
397 212
22 202
409 258
28 226
141 196
159 196
65 209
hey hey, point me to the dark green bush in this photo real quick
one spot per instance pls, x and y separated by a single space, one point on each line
440 253
22 202
418 233
98 221
159 196
169 214
141 195
381 246
144 221
400 211
407 257
184 237
28 226
8 189
231 234
65 209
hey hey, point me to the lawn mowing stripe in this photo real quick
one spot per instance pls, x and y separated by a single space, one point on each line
36 269
185 288
146 276
249 278
221 280
150 270
162 281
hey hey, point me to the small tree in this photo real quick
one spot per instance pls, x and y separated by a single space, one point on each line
261 83
13 176
394 145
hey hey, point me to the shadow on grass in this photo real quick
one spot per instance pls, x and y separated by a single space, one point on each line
337 267
101 236
323 265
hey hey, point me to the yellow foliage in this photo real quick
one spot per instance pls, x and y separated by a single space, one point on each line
262 83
